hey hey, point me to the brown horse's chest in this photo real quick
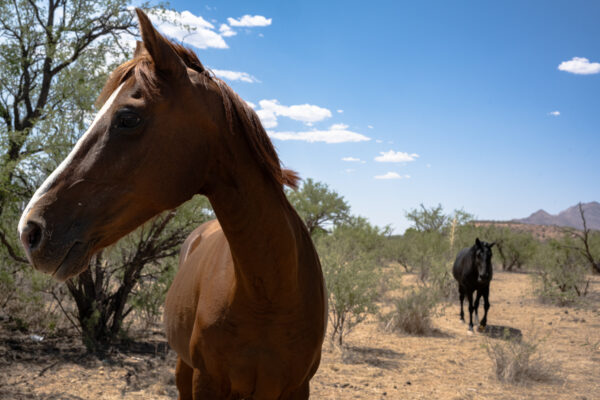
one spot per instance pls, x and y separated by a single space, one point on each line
247 356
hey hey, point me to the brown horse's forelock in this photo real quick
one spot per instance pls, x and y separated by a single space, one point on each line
142 68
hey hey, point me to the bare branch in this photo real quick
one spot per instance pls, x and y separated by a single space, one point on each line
65 311
10 249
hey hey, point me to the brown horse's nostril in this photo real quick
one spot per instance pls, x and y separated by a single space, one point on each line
31 236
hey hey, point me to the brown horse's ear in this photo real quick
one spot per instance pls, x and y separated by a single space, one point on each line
164 57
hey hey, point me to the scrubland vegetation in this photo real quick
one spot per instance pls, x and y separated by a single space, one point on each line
365 267
120 296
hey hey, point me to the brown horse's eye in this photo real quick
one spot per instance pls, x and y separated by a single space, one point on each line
128 120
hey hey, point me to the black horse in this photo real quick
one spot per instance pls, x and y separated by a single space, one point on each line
473 271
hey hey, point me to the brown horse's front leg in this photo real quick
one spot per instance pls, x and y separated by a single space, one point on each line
302 393
183 379
204 388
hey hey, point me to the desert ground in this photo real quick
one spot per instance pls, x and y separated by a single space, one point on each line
373 364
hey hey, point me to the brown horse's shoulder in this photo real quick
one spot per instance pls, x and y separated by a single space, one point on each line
194 239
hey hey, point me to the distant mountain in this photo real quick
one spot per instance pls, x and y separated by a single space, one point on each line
569 217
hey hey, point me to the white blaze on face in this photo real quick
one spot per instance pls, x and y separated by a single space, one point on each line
65 163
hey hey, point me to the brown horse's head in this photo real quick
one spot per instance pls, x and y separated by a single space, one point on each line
146 151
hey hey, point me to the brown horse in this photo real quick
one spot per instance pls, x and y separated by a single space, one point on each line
246 312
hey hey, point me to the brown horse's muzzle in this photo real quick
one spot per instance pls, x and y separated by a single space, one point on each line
51 251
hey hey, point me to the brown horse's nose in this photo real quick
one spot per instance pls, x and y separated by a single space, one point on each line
31 237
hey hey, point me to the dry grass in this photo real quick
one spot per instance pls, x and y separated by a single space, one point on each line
453 363
520 362
374 364
412 313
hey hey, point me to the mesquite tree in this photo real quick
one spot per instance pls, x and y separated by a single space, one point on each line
587 243
55 57
102 292
319 206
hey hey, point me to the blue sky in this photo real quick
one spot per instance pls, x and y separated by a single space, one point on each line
463 103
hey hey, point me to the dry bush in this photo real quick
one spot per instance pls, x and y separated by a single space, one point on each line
413 312
517 362
27 305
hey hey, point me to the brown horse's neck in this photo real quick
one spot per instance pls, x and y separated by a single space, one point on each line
263 231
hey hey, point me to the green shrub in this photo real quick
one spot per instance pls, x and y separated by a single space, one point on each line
149 296
560 272
27 301
515 249
352 273
425 251
441 283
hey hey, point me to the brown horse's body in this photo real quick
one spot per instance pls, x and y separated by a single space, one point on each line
243 307
239 345
246 312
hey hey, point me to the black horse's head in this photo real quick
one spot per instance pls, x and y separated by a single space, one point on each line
483 260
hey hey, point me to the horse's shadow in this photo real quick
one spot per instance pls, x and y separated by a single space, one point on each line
502 332
375 357
15 394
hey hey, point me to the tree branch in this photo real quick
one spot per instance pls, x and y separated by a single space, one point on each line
10 250
65 312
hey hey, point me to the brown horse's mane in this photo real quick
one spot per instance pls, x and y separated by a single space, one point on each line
236 109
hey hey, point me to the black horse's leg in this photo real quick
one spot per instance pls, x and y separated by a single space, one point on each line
476 306
462 297
486 305
470 299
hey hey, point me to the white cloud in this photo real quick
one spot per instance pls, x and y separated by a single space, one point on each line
307 113
392 175
340 111
554 113
234 75
580 66
184 17
226 30
351 159
335 134
393 156
268 118
349 170
200 34
339 126
389 175
379 141
250 21
370 126
251 104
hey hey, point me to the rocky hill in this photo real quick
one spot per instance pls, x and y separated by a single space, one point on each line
568 218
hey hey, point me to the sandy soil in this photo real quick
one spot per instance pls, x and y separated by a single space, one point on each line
451 364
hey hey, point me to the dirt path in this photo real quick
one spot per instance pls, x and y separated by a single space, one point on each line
375 365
